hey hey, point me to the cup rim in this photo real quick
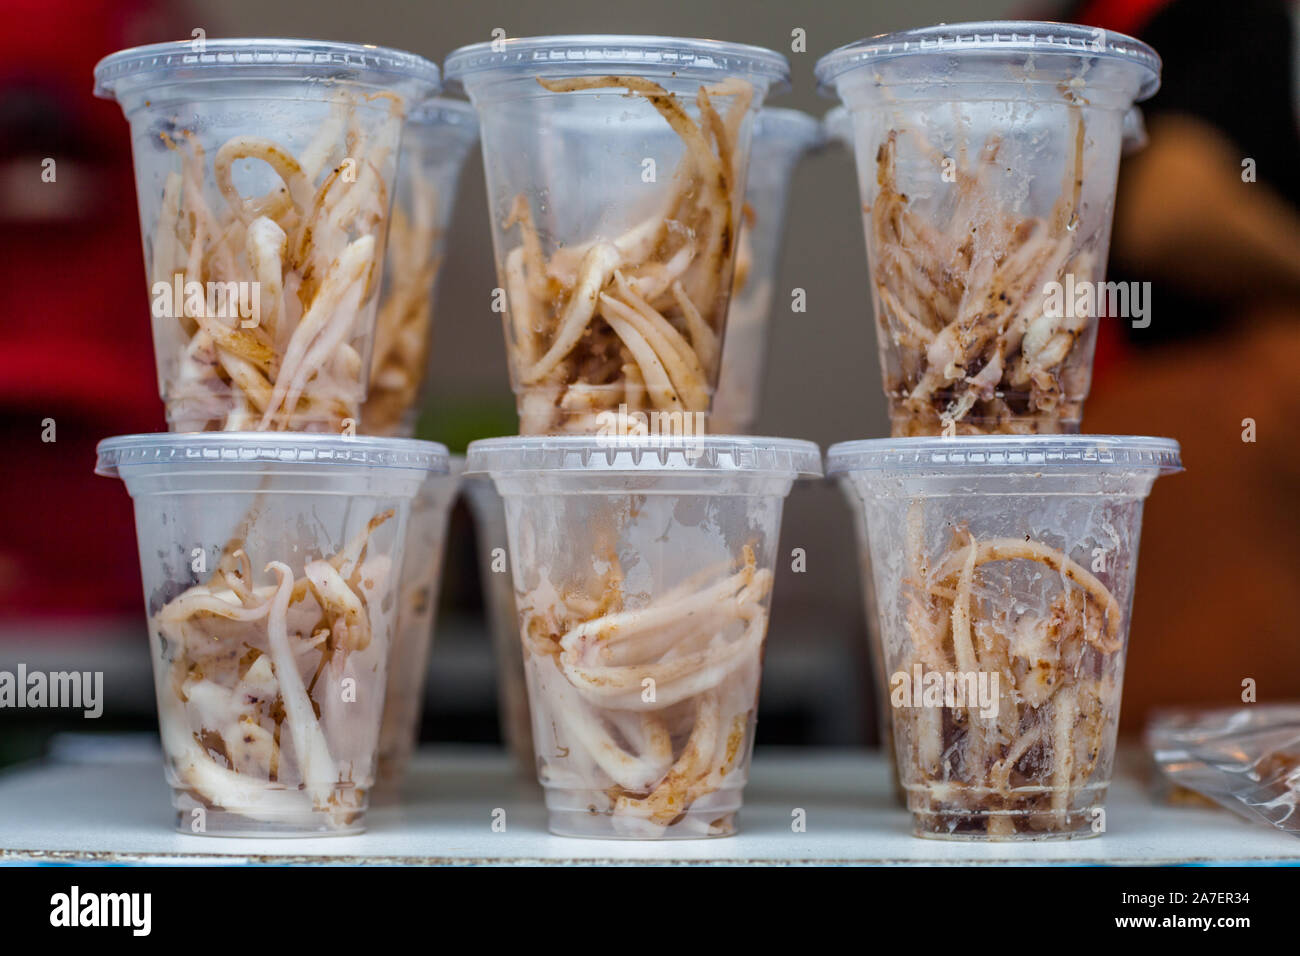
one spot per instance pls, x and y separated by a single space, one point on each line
223 449
584 54
629 455
1003 454
992 38
296 58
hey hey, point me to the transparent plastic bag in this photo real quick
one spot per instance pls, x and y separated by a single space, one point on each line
1246 759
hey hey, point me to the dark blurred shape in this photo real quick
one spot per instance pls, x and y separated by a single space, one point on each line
77 347
1217 366
1186 220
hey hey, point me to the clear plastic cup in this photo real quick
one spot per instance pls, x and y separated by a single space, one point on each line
271 566
1135 131
875 646
643 574
838 126
438 136
781 138
417 607
503 620
987 156
615 174
1004 572
264 174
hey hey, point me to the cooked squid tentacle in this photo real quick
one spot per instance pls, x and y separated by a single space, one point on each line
650 704
222 373
634 319
960 291
245 717
1020 770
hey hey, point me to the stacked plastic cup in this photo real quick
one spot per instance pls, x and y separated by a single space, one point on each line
875 646
417 605
643 574
837 128
999 554
502 620
782 137
438 136
1004 571
987 156
271 566
615 173
265 172
838 125
285 573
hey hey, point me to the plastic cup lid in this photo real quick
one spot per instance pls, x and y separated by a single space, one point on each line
222 449
996 38
1004 454
187 60
593 454
787 125
585 55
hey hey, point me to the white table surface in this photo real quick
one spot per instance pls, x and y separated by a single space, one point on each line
115 809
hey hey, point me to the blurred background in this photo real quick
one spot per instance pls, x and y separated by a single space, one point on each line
1219 573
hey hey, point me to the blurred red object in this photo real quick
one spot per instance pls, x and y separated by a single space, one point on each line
77 347
1123 16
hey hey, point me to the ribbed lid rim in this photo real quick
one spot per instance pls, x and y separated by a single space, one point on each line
226 448
616 455
259 54
995 453
590 53
996 38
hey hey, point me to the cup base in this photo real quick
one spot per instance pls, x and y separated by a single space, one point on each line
595 826
579 813
542 410
209 412
1021 814
197 819
1008 826
907 421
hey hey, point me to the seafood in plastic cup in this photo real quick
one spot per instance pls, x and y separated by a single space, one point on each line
417 606
987 156
271 566
643 574
503 621
615 170
1004 571
437 138
264 173
838 126
781 138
